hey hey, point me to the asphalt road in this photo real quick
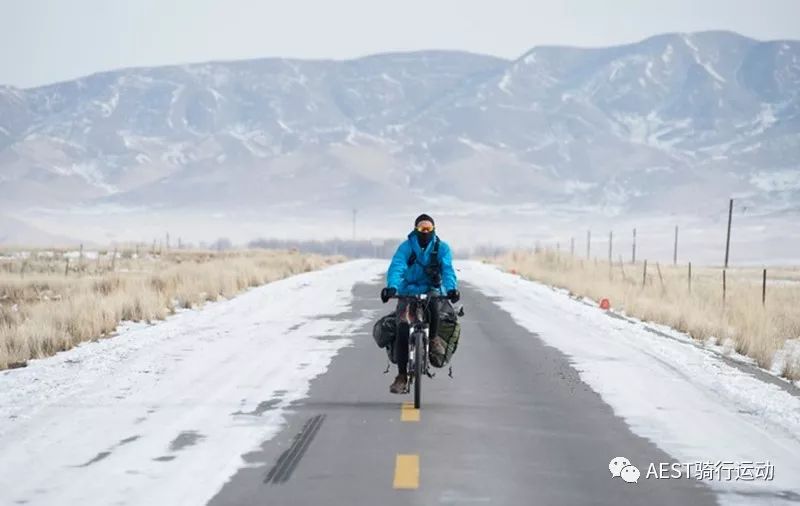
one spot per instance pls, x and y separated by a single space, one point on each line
515 426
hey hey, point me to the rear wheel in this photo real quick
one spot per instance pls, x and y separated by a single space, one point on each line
418 365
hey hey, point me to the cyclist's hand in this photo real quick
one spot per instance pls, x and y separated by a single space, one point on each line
454 295
387 293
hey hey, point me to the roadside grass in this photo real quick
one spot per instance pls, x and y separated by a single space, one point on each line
664 296
51 301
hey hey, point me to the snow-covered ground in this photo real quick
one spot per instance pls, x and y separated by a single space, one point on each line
153 410
161 414
687 400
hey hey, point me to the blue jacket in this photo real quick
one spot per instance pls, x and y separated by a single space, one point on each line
413 280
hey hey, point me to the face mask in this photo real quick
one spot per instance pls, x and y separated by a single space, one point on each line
423 238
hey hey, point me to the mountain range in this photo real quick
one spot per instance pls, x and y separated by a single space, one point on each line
669 124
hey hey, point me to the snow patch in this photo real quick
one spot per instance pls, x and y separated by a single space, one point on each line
615 68
354 134
217 95
789 354
666 56
87 171
174 154
477 146
176 95
573 186
706 65
257 142
765 119
649 70
505 82
108 108
386 77
285 127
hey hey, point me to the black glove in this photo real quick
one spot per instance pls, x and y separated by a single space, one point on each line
454 295
387 293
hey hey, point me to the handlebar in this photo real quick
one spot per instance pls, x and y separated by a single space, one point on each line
420 297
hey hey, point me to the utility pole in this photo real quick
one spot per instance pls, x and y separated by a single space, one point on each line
633 254
675 251
588 244
728 240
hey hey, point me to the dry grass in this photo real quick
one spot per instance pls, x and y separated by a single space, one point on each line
755 330
46 307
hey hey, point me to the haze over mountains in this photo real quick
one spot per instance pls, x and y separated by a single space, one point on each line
675 124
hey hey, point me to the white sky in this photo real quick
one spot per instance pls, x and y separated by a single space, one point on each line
43 41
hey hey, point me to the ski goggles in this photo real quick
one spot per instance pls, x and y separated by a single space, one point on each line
425 227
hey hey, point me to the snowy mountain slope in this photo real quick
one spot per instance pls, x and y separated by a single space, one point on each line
685 105
647 125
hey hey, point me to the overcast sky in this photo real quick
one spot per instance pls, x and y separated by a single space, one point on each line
42 41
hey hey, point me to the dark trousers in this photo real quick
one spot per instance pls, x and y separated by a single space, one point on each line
404 329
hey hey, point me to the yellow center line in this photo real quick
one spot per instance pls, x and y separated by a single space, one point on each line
406 472
408 413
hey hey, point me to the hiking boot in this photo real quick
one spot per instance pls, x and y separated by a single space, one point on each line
400 385
437 346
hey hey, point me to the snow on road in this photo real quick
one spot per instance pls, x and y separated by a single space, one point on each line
687 400
161 414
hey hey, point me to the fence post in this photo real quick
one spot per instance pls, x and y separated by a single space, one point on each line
633 254
690 277
66 269
764 289
644 273
572 246
114 260
660 277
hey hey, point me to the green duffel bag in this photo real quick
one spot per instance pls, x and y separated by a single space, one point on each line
450 331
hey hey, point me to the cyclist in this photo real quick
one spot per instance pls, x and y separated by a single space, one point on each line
422 263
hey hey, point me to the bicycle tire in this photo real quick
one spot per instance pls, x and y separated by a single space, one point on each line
418 365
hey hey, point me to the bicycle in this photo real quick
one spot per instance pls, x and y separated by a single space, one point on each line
418 339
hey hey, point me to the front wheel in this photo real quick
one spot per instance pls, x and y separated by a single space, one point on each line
418 366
